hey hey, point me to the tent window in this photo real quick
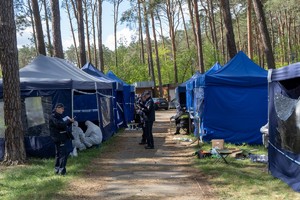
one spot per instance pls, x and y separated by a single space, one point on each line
105 110
288 113
2 128
291 84
37 111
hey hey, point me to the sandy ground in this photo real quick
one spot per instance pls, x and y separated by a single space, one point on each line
128 171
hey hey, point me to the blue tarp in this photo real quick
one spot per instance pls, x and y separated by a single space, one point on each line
236 100
129 97
199 83
284 128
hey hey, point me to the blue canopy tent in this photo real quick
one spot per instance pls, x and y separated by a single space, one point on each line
190 85
183 95
118 93
236 102
48 80
284 126
199 97
129 97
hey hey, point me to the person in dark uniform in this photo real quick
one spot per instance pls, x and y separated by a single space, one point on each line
142 118
148 108
60 132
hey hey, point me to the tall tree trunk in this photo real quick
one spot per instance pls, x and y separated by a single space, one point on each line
190 8
38 27
141 39
33 26
87 30
184 25
157 56
72 31
170 16
116 19
222 37
258 8
57 42
94 8
229 29
100 43
213 28
249 28
50 47
149 46
199 39
14 138
81 38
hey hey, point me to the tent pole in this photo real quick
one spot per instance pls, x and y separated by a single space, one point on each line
98 107
72 104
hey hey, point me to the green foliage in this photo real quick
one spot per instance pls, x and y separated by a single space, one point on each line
26 55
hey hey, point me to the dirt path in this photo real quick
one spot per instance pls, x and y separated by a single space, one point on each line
128 171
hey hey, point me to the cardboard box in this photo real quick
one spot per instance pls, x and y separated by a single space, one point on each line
219 144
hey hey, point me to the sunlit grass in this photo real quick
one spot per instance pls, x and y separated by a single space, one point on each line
242 178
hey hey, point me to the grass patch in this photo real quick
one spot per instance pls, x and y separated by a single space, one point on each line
36 179
242 178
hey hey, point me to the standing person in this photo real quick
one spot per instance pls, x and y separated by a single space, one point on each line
148 108
60 133
142 117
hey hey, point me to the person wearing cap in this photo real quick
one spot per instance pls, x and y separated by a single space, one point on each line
59 132
148 108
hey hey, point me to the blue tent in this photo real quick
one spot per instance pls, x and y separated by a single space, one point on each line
235 99
190 85
199 83
284 128
48 80
183 92
118 94
129 97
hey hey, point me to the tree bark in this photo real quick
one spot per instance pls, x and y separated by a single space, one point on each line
142 52
184 25
49 47
38 28
149 46
229 29
57 42
249 28
258 8
14 138
72 31
87 30
33 26
156 56
82 53
199 39
100 43
170 16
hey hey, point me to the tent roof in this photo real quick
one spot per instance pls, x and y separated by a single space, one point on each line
287 72
52 71
115 77
182 86
90 69
240 71
200 80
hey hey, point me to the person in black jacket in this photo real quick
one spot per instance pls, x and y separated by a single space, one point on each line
148 108
60 132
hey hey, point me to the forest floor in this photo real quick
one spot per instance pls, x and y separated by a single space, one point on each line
126 170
